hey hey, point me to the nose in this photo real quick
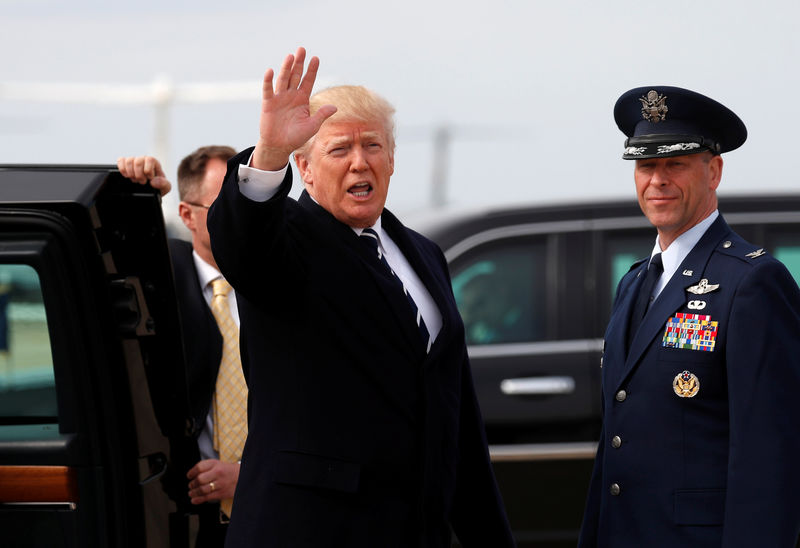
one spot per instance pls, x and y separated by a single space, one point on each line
358 160
658 177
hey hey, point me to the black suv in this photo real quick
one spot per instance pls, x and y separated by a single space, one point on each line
95 433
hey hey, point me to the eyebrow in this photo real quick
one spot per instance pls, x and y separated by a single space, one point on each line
344 139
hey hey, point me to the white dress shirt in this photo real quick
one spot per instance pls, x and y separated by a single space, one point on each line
673 256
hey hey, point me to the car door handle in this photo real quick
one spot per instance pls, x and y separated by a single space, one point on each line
538 386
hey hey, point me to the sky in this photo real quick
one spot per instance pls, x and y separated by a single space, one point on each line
525 89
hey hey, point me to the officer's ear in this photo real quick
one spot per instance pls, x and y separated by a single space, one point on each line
715 171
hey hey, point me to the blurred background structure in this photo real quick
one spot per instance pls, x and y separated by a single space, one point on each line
497 103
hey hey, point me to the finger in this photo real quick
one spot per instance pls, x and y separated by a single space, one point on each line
323 113
138 169
307 85
282 83
152 168
121 166
266 90
297 68
161 184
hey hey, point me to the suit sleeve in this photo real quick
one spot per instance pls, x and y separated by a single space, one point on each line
763 366
247 237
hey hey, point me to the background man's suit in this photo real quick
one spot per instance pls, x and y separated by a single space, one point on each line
357 437
707 470
202 344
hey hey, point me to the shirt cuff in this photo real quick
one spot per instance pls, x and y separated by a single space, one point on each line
258 185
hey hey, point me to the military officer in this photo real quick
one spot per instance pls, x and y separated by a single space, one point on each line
701 369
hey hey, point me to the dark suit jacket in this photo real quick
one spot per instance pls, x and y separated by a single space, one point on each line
357 438
719 468
202 340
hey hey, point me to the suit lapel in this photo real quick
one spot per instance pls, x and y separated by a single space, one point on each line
386 284
426 268
673 297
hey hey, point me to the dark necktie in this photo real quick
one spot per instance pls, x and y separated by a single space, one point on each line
370 238
644 298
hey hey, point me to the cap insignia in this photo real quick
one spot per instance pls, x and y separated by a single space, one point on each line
654 106
635 151
678 147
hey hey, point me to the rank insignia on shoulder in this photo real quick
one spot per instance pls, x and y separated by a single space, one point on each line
702 288
756 253
686 384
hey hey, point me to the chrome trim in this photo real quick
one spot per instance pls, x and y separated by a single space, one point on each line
533 229
538 386
60 505
573 346
752 217
610 223
581 450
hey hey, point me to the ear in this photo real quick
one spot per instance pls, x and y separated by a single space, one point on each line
304 167
186 214
391 162
715 171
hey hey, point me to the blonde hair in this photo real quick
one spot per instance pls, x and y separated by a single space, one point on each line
353 103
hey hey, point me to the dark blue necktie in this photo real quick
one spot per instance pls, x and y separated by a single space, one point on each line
644 298
370 238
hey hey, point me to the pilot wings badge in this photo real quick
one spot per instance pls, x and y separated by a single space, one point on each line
654 106
702 288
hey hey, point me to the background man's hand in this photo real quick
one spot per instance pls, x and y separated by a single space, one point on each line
286 122
224 475
141 169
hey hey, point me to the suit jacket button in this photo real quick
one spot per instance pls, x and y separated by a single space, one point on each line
614 489
621 395
616 441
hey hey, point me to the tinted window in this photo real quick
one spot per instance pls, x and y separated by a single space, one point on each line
500 292
27 385
622 252
787 250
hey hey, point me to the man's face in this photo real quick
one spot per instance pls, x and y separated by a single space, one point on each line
194 213
347 170
677 193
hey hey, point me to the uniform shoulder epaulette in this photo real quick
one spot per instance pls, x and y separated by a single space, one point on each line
637 263
741 249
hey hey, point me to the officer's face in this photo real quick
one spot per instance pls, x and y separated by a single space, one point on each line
347 170
677 193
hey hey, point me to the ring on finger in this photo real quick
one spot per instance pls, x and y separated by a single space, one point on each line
211 484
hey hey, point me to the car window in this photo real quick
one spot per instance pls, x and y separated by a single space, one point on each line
27 384
622 252
500 292
787 250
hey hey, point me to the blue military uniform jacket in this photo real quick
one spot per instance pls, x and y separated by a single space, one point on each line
720 467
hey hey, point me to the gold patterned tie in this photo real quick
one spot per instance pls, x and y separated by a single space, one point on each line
230 396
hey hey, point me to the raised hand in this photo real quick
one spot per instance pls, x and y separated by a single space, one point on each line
286 122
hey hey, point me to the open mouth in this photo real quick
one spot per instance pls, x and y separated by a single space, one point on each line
360 190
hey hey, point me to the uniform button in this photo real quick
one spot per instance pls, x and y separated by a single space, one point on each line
621 395
614 489
727 244
616 441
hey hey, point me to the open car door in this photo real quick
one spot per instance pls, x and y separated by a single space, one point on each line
95 435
